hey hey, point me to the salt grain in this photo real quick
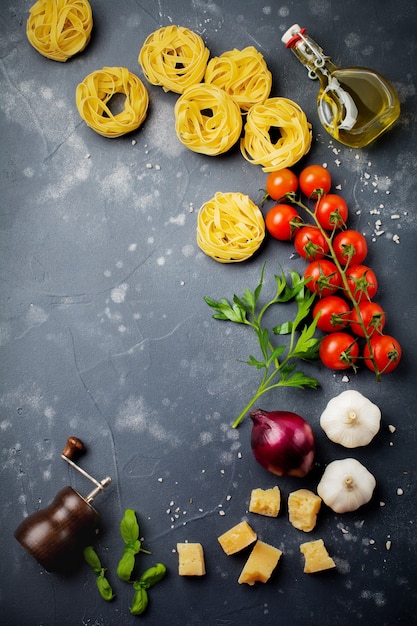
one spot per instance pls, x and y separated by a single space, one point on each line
149 166
388 544
396 239
392 428
400 491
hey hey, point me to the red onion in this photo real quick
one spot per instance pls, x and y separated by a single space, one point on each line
282 442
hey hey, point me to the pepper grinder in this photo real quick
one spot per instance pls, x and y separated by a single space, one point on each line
54 535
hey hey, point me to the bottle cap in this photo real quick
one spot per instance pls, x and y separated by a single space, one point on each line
292 35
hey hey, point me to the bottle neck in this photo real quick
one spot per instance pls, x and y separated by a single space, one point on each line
309 53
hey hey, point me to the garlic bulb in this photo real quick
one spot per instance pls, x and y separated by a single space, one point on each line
350 419
346 485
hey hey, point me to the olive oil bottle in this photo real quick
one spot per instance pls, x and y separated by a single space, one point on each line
355 104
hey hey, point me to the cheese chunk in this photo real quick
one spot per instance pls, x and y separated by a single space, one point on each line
265 502
316 557
191 559
261 563
303 507
237 538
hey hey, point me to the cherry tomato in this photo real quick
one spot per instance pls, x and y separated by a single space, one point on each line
372 316
313 178
323 277
332 211
338 351
362 282
350 247
387 353
310 243
281 182
334 313
281 221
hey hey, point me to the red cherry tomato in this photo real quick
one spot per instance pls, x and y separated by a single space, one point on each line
338 351
372 316
323 277
350 247
332 212
313 178
310 243
387 354
281 182
334 313
281 221
362 282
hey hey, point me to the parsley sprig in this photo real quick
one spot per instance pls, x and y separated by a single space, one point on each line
278 362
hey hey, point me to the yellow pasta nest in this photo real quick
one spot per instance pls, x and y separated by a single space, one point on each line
92 98
243 74
295 134
230 227
58 29
207 119
174 58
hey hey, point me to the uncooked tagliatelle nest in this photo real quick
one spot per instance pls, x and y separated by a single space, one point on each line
174 58
92 98
243 74
58 29
230 227
289 120
207 119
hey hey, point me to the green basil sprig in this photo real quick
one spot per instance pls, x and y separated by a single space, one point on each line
102 583
129 530
149 578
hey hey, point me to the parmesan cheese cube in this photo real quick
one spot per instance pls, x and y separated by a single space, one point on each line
261 563
237 538
191 559
316 557
303 507
265 502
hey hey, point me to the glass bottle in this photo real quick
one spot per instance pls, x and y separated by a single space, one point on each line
355 104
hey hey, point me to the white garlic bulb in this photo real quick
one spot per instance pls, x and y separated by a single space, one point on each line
346 485
350 419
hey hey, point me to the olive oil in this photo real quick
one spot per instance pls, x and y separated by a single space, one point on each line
355 104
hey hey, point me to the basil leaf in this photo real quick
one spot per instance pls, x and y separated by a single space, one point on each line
126 565
153 575
129 528
140 601
104 587
91 558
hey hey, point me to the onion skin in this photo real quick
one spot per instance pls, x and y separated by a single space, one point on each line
282 442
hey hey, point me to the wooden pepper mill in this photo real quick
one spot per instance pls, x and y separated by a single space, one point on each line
55 534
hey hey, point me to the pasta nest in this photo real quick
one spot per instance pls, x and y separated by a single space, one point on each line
243 74
58 29
207 119
173 57
230 227
295 134
92 99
